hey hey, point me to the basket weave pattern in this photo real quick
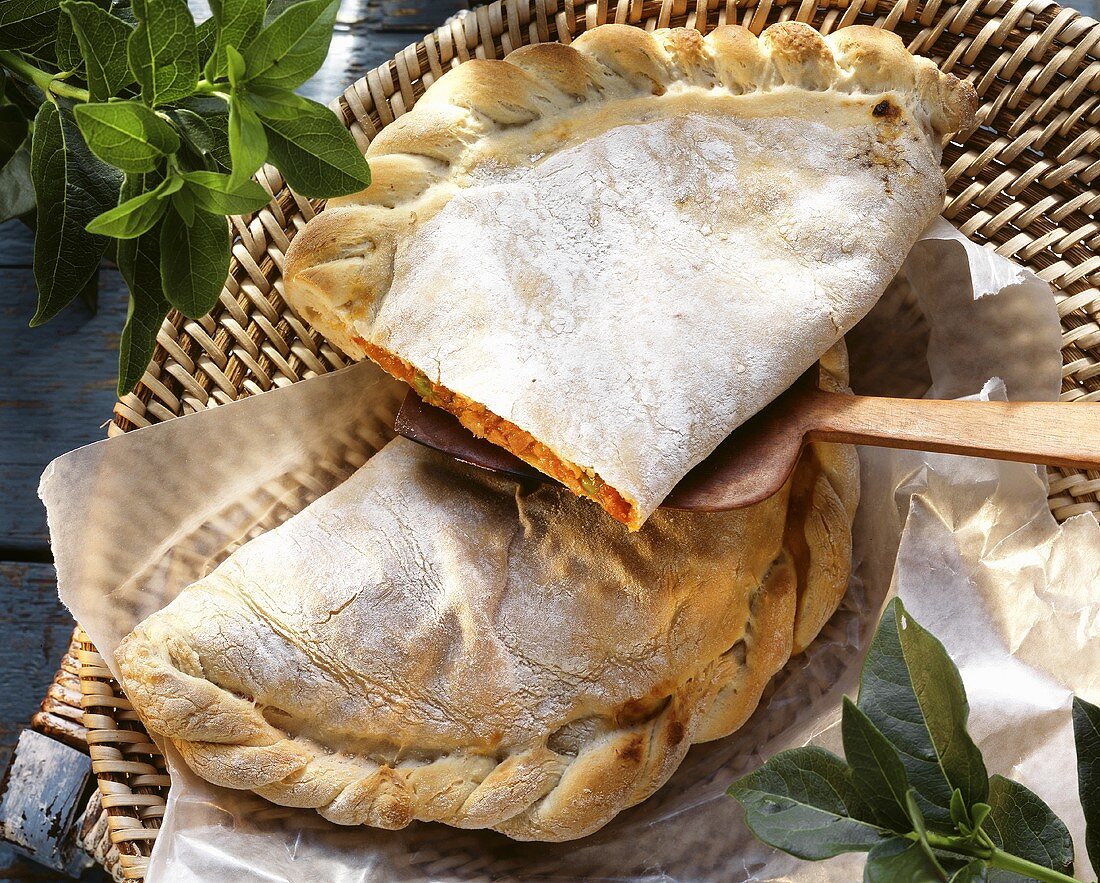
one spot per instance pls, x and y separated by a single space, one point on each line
1023 179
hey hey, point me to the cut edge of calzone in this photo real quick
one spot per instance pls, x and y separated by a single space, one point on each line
432 642
606 256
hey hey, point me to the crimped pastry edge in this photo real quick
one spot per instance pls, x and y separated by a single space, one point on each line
532 793
341 265
607 64
614 62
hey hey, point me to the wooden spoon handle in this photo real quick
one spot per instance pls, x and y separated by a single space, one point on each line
1054 433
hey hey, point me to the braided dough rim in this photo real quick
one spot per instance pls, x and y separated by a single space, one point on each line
414 158
536 793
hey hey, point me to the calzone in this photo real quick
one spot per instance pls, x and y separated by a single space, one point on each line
606 256
431 641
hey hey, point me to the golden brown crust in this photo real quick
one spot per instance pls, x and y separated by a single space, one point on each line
619 61
565 784
607 63
339 271
485 424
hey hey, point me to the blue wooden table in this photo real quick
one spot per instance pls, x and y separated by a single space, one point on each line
57 389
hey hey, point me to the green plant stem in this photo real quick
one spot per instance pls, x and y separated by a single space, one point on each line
997 858
44 80
1008 862
206 87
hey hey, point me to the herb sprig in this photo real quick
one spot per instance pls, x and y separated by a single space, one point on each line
912 790
127 130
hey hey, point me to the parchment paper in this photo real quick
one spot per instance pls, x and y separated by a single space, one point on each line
969 545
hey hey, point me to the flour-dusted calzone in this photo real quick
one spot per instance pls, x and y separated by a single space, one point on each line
606 256
431 641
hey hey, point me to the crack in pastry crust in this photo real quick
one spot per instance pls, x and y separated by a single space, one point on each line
246 677
373 268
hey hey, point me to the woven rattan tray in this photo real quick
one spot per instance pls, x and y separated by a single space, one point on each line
1024 179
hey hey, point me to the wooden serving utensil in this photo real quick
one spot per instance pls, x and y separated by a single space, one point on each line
754 461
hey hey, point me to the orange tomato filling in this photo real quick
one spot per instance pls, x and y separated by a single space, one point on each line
485 424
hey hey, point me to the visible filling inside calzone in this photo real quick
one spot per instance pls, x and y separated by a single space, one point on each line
601 311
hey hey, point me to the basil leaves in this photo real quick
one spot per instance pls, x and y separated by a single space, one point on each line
912 790
126 128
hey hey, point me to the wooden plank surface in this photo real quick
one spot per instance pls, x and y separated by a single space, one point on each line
58 388
42 806
34 634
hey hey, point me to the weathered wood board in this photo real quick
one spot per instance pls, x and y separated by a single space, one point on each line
57 388
34 633
43 798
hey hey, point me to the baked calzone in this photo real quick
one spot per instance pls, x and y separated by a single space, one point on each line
431 641
606 256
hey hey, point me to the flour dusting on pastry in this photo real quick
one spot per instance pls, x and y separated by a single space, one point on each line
428 641
605 257
633 298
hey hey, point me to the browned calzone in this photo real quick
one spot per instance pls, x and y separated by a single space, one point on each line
430 641
606 256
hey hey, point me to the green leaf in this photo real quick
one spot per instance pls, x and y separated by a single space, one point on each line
41 54
239 21
921 830
184 202
207 137
71 187
13 131
102 39
219 195
139 262
803 802
1086 734
979 813
877 771
136 215
316 154
911 691
275 104
293 47
162 50
127 134
971 872
1022 824
275 8
193 129
206 41
916 817
194 261
960 814
16 188
27 97
25 23
66 47
248 143
234 66
89 294
899 860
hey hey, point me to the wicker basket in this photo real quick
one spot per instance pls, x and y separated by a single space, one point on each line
1023 179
